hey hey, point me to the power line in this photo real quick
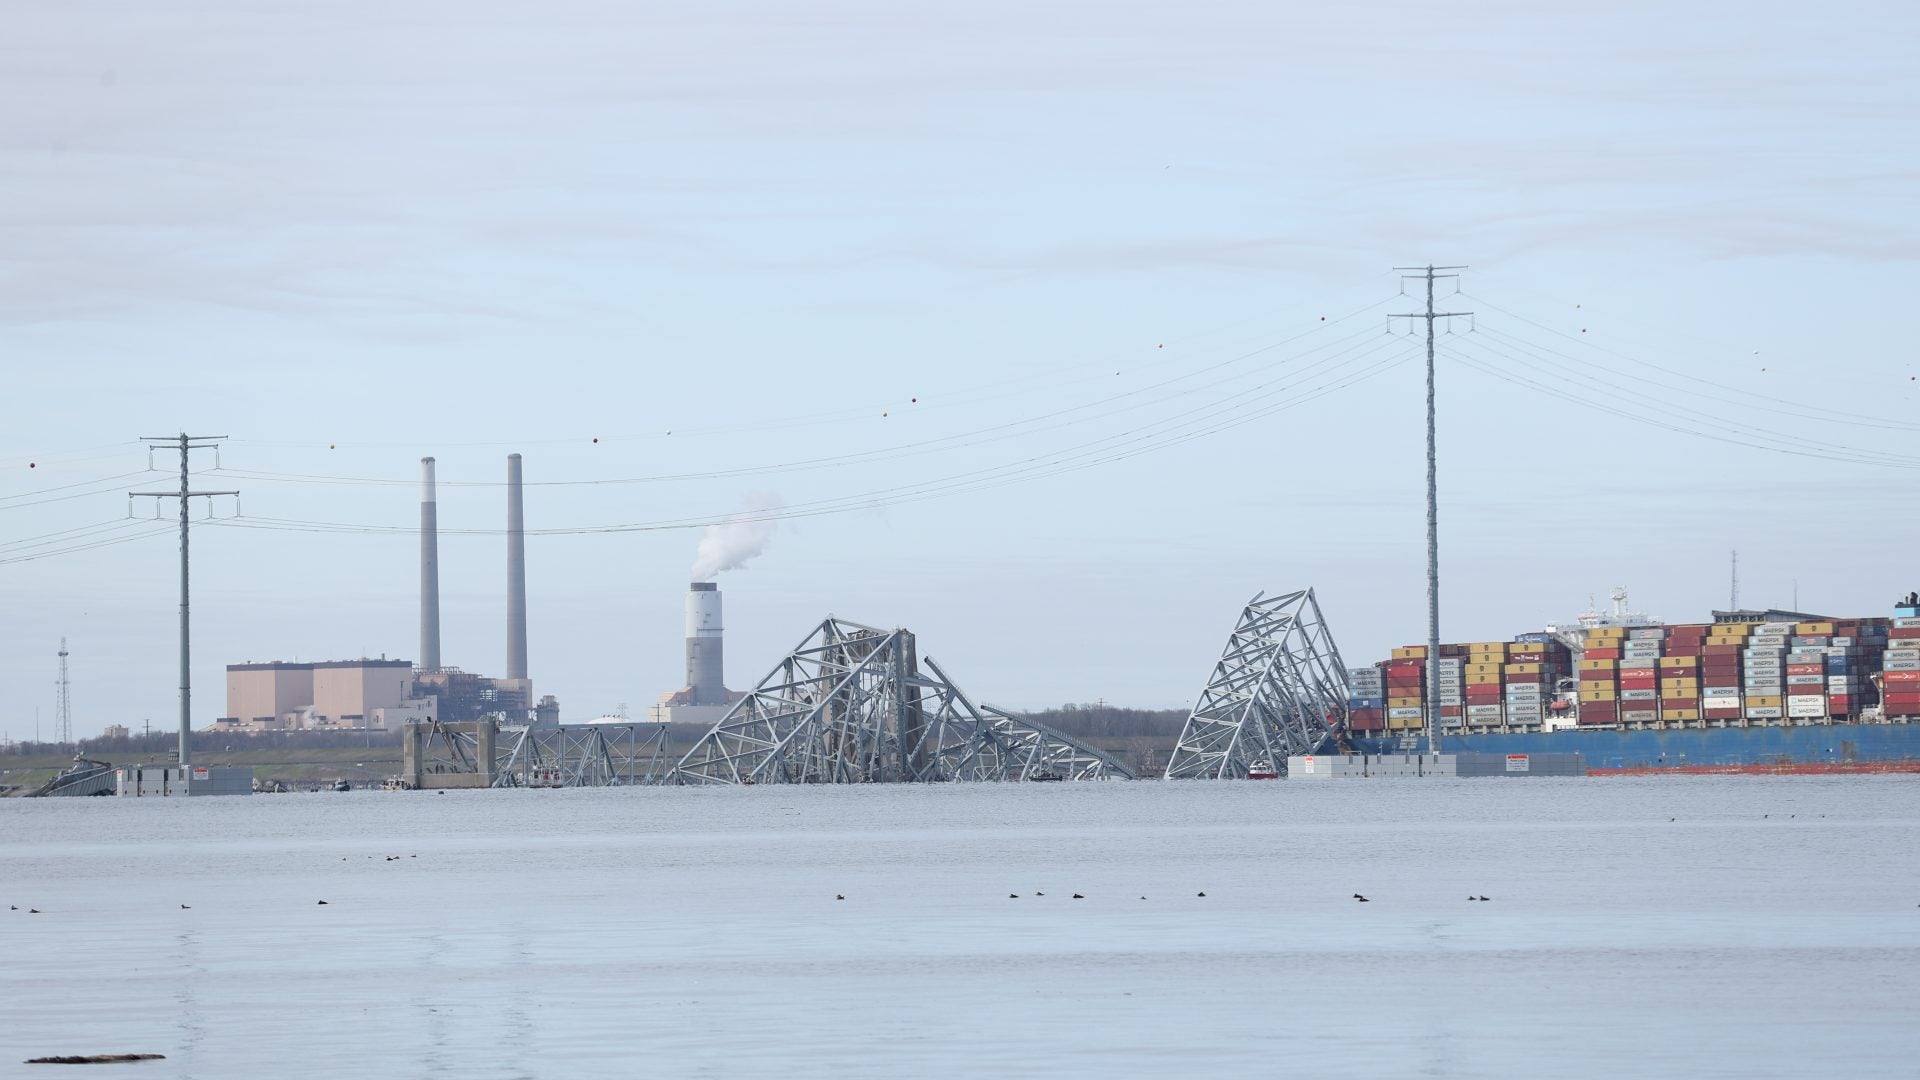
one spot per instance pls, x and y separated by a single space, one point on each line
960 440
1200 422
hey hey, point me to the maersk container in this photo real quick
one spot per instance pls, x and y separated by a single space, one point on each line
1765 712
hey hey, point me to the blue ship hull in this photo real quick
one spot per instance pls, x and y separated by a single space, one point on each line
1835 745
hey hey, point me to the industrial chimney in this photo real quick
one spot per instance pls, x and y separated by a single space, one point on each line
429 571
516 574
705 682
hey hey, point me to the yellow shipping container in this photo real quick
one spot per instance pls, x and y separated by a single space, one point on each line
1404 702
1598 665
1410 723
1478 679
1679 661
1806 629
1731 629
1482 669
1763 701
1524 669
1608 694
1679 714
1410 652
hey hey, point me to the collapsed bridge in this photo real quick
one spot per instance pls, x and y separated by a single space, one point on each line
854 704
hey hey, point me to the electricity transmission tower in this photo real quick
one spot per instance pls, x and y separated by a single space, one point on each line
187 444
1429 275
63 716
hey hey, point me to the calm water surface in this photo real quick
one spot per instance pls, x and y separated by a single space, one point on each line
1696 927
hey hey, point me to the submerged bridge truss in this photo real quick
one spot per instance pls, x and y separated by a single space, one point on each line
485 753
1279 689
856 704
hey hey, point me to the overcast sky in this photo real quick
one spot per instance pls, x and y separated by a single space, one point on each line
843 252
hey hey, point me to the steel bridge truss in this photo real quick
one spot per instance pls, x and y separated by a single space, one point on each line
855 704
565 755
1278 690
583 755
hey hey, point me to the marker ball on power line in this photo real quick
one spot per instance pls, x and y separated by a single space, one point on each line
33 464
596 438
883 412
331 446
916 401
1323 318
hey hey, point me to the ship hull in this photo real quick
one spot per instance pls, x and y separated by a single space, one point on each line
1824 748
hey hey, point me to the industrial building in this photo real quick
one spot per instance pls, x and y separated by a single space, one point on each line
384 694
329 695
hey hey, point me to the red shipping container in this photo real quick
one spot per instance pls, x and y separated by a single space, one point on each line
1681 650
1603 654
1806 669
1892 677
1720 650
1406 667
1367 725
1637 682
1449 710
1902 632
1526 658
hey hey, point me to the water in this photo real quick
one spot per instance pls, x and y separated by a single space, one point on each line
1697 927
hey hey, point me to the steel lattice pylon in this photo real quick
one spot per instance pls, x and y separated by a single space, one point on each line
1278 690
853 704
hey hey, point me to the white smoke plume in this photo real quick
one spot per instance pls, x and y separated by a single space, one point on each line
731 543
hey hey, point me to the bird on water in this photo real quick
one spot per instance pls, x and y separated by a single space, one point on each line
1362 899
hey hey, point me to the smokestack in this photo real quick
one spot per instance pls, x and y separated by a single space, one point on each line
704 674
429 571
516 574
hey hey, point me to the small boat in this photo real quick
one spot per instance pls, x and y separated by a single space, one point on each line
1262 770
1046 776
342 785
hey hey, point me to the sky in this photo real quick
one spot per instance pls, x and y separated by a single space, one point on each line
1056 330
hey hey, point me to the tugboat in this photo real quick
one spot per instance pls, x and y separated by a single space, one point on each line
1262 770
1045 776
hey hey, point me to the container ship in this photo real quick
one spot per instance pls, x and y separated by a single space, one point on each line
1749 692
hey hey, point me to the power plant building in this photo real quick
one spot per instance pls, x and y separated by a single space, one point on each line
322 695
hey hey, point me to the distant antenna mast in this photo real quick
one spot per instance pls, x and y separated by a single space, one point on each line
63 717
1733 599
1428 274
